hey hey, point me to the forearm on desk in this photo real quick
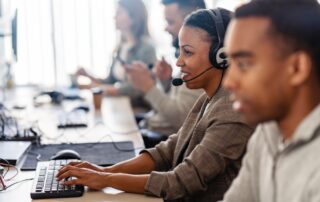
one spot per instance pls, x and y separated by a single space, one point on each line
142 164
128 182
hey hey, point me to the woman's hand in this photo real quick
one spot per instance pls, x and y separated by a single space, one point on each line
84 176
86 164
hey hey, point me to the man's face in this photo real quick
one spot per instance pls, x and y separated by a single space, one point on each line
174 19
258 75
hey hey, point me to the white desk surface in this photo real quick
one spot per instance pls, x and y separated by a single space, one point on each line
114 122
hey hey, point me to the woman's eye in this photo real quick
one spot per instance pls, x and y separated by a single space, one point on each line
188 53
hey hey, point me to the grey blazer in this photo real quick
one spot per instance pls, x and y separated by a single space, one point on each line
201 160
143 51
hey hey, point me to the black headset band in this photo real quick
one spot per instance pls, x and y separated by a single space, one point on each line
217 18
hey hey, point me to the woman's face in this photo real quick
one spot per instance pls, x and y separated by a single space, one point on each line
194 57
122 19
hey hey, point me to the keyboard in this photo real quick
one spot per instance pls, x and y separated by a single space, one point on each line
45 184
73 119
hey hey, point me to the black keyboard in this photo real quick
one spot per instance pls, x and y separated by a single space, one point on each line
74 119
45 184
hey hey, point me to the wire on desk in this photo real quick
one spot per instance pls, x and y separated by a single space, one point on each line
121 133
5 188
38 155
4 174
108 127
114 143
11 166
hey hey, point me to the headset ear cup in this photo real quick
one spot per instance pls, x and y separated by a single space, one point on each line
217 54
221 58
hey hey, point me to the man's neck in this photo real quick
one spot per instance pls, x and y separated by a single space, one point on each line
297 112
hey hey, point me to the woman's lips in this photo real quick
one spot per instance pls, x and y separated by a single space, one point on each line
184 76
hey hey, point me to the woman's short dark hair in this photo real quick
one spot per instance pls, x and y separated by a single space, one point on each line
295 24
203 20
139 16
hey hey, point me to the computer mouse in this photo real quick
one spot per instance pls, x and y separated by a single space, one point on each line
66 154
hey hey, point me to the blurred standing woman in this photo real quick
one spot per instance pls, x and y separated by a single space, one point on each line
131 20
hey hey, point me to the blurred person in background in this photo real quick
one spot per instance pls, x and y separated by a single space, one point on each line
170 104
131 20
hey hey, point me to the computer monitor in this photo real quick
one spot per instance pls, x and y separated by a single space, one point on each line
12 34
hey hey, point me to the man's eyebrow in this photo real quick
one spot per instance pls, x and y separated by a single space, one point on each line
240 54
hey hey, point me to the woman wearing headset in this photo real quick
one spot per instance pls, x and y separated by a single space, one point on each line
201 160
131 20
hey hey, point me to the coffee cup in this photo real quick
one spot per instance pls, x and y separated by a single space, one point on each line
97 97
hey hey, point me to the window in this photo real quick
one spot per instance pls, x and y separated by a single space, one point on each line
55 36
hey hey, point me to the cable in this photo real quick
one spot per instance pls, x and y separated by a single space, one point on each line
11 166
114 143
4 174
38 155
121 133
2 183
12 130
15 184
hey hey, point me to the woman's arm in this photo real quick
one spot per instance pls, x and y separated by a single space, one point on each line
99 180
125 176
142 164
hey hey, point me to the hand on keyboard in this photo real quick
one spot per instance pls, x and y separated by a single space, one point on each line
86 164
45 184
84 176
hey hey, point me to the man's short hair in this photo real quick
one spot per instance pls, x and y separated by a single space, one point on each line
295 22
187 6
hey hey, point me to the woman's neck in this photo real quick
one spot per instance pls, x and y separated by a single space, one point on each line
128 37
214 85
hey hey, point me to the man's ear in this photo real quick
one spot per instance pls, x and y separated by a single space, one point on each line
300 68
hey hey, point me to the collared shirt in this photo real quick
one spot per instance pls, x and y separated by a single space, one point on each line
281 172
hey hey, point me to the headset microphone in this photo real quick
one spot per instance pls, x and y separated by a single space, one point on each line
179 81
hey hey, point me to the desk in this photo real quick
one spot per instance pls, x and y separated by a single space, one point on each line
117 115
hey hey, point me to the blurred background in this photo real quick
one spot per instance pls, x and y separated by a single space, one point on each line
43 41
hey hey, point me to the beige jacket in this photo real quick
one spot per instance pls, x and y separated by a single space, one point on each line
201 160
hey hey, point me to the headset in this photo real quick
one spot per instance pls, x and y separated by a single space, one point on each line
217 54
